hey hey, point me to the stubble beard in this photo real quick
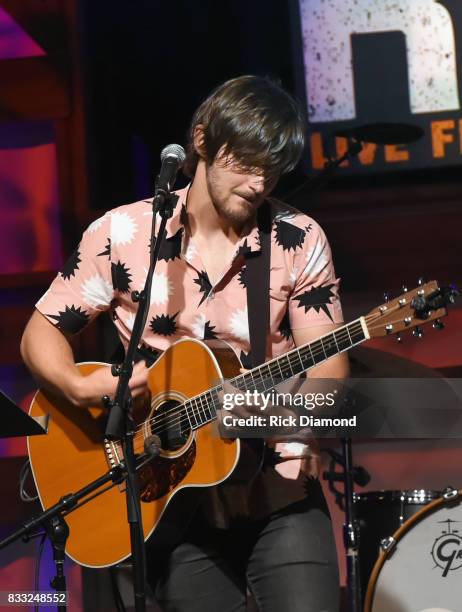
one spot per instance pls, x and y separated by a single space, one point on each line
234 214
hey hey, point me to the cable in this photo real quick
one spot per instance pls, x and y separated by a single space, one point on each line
23 474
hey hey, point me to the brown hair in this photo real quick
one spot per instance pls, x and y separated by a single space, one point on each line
253 119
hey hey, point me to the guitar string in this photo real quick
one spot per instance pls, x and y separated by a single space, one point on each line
368 318
284 369
138 434
180 416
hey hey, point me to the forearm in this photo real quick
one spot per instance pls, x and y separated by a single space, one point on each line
48 355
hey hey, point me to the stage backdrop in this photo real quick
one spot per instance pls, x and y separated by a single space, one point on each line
373 61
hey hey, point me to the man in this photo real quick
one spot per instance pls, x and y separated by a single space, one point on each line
274 534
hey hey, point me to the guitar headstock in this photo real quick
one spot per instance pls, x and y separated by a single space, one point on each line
413 308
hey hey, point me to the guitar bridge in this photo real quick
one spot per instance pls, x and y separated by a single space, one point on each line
113 452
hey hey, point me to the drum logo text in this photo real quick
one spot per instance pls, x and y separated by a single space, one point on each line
447 549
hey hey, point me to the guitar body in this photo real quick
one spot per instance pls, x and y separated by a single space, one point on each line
74 453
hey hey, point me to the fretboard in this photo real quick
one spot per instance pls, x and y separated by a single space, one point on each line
201 409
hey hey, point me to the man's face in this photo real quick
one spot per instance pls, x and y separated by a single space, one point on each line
237 192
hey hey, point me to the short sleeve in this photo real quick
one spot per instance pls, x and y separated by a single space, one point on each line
84 286
315 298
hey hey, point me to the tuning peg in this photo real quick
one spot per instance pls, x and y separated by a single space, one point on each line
418 332
399 338
439 325
386 296
421 281
404 289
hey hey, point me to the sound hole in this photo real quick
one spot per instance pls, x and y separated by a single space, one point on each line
171 425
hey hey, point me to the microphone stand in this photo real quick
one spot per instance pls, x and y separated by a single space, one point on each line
53 521
120 422
314 183
351 532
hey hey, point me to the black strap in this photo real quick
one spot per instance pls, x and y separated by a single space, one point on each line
258 277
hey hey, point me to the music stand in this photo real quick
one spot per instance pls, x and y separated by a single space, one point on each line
15 422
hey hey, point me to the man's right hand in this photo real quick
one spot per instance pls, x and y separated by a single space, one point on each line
89 390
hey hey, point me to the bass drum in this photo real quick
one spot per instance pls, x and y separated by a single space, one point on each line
420 568
379 515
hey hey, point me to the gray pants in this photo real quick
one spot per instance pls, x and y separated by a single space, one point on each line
288 561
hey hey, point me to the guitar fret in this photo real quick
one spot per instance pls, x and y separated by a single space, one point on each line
214 401
198 405
202 407
190 405
185 412
259 382
311 354
357 335
208 402
292 373
343 343
297 354
347 327
323 349
335 340
328 348
280 369
317 353
271 376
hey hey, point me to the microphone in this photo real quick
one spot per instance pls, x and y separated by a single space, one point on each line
172 158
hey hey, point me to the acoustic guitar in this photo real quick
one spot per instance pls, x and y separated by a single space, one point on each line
184 384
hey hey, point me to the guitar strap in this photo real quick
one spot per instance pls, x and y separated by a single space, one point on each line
258 285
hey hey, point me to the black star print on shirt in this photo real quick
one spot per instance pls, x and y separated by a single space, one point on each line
290 236
243 249
284 326
317 298
242 276
204 284
71 320
165 325
121 277
107 250
71 265
209 334
171 247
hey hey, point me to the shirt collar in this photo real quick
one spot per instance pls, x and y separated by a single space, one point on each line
249 243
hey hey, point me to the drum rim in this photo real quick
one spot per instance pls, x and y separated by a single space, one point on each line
432 494
397 535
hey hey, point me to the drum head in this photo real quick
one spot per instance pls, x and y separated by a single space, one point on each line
424 572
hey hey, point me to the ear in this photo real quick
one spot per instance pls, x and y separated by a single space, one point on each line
198 139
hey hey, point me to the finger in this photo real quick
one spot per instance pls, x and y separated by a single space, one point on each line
138 384
139 391
229 388
140 368
139 376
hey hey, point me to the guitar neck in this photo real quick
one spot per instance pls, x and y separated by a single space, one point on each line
201 409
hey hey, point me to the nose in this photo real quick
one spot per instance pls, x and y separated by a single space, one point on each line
257 183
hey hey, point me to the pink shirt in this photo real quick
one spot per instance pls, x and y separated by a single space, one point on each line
111 261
